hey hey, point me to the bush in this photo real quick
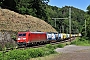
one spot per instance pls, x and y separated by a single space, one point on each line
1 56
28 53
48 51
52 51
82 42
33 53
1 47
55 46
60 45
49 46
17 55
9 45
14 38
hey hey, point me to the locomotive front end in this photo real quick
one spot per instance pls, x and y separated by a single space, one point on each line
21 40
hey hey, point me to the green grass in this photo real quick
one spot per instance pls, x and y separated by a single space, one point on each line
30 53
25 54
60 45
81 42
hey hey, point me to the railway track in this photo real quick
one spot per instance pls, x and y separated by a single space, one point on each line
40 45
37 46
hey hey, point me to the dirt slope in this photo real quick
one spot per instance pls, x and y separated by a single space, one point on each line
10 20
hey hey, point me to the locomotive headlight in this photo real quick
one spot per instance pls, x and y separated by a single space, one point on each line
18 38
24 38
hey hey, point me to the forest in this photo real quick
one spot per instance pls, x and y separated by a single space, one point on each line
41 9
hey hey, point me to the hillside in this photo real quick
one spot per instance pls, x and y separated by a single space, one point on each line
10 20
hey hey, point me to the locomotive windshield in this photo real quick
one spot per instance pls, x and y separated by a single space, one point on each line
22 34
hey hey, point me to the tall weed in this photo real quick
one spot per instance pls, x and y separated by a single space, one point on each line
81 42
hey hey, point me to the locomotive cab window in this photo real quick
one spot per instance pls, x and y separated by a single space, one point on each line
22 34
19 34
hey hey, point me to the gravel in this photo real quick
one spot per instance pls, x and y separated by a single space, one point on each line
73 52
72 49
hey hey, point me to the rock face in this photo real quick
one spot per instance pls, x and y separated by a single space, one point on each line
6 40
10 20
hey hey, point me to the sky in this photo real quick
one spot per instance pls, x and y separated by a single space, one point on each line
80 4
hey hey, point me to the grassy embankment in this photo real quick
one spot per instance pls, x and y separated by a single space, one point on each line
25 54
81 42
41 53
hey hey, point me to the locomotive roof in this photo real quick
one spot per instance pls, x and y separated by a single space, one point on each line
31 32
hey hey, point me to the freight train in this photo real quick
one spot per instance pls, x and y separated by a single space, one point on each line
28 38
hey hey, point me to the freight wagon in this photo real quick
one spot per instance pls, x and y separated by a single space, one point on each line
27 38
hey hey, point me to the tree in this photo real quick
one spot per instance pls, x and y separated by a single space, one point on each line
1 2
88 8
10 4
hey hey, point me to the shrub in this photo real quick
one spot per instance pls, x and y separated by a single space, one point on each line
28 53
17 55
9 45
49 46
60 45
55 46
35 52
1 56
48 51
13 37
1 47
82 42
51 51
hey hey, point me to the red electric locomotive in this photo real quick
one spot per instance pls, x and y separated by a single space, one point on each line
25 38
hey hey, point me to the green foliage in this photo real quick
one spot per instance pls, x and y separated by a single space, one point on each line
0 47
35 52
87 17
48 51
88 8
29 53
17 55
52 47
60 45
49 46
9 45
1 55
26 54
13 37
77 19
51 51
81 42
